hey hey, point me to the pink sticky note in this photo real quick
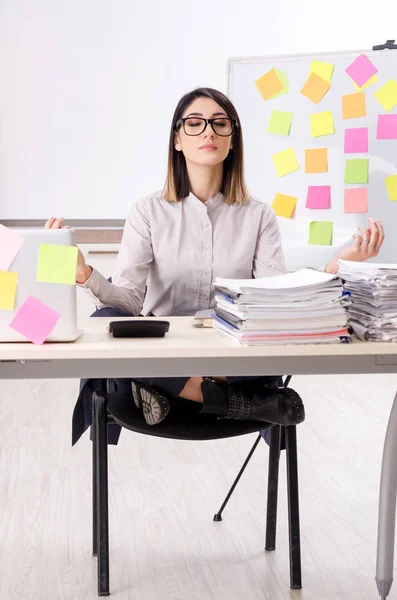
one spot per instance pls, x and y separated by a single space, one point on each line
10 245
387 127
361 69
356 200
318 196
35 320
356 140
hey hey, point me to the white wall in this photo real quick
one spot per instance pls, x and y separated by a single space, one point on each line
88 87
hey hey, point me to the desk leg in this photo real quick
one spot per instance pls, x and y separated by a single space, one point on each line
101 428
387 508
94 482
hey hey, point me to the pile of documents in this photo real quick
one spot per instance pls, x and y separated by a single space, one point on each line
304 307
372 313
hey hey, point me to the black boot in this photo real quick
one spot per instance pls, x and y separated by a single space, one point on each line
281 406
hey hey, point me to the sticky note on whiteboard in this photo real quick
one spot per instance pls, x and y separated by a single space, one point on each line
285 162
320 233
322 124
391 185
318 196
284 205
361 70
387 127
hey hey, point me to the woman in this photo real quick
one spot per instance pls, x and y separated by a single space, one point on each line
203 225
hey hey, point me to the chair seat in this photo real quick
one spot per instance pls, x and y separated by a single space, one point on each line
182 423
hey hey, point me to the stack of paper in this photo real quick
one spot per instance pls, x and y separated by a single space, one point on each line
303 307
373 288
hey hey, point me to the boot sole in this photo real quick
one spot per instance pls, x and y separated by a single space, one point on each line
155 406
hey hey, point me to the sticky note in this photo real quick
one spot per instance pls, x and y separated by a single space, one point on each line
371 81
353 106
361 70
35 320
356 170
269 84
284 205
320 233
280 122
356 140
322 124
284 81
391 186
316 160
285 162
8 289
322 69
10 244
315 88
387 127
356 200
57 264
387 95
318 196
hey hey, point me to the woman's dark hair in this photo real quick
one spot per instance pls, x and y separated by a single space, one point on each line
233 185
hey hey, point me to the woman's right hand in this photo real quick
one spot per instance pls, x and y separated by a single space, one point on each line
83 271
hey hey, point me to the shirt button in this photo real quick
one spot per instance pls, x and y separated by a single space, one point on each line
205 223
205 247
204 295
206 272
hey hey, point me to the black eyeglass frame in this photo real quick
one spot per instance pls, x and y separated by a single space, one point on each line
207 122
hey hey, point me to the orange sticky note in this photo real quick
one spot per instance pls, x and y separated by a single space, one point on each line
315 88
316 160
269 84
356 200
353 106
284 205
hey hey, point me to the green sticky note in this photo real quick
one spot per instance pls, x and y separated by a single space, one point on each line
57 264
356 170
320 233
284 80
280 122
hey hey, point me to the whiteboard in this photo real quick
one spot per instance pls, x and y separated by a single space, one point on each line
259 147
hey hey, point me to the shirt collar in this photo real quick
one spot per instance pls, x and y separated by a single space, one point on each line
209 203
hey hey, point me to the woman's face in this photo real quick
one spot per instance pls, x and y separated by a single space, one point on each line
207 148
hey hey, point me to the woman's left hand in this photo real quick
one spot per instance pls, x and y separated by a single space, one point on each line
366 245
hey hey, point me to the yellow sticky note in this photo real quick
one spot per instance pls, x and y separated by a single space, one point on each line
322 124
8 289
315 88
387 95
57 264
353 105
322 69
284 205
269 84
285 162
371 81
391 185
316 160
320 233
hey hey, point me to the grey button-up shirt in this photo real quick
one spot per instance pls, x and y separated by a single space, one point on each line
171 253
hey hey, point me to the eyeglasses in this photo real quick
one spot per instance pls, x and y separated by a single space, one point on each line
196 125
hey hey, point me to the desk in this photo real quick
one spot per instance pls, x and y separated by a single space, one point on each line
190 351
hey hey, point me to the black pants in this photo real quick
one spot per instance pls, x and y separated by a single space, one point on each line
171 386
